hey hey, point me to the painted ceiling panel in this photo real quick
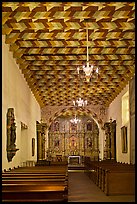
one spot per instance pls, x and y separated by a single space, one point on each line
48 41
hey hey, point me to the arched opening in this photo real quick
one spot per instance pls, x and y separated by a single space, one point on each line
64 138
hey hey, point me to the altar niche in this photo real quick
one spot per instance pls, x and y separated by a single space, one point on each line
74 159
67 139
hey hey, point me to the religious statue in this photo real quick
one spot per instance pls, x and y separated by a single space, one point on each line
56 144
89 142
73 142
11 135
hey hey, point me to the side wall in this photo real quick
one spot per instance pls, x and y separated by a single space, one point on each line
16 94
115 112
132 118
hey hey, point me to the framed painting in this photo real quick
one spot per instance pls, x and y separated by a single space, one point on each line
124 139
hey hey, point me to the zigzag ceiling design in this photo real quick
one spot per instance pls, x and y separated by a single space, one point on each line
48 41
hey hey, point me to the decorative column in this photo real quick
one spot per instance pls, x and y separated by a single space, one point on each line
107 140
46 142
64 145
110 132
83 143
41 141
113 137
39 149
96 146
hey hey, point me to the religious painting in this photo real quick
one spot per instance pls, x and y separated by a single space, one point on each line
89 126
124 139
56 126
89 142
56 142
73 142
73 127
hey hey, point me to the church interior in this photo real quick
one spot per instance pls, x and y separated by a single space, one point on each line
68 101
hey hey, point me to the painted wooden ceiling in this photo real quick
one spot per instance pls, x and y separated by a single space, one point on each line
48 41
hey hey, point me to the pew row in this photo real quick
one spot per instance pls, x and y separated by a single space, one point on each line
37 185
112 177
34 193
119 183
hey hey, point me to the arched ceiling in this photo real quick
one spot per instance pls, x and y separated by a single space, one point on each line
48 41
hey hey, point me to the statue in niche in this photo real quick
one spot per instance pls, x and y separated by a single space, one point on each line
73 142
73 127
89 126
56 144
11 135
89 142
56 126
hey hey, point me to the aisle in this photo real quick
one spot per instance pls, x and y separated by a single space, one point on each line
81 189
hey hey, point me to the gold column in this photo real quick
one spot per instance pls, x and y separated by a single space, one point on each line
39 147
112 130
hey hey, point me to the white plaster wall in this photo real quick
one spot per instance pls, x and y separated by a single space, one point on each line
132 118
16 94
115 112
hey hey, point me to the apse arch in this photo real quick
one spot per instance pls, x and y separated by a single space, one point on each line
86 111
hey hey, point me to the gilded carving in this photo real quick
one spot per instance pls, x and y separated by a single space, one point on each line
110 140
75 139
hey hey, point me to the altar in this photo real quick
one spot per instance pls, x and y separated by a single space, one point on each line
74 159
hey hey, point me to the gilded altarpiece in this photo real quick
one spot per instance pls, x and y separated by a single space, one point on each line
41 141
67 139
110 140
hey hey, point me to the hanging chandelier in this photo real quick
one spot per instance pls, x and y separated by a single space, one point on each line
75 120
80 102
88 69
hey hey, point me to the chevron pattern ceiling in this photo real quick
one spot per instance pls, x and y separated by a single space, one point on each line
48 41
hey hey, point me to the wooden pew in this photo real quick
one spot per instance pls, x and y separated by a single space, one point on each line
29 177
99 166
34 193
122 172
113 166
39 184
119 182
35 182
37 170
106 175
105 166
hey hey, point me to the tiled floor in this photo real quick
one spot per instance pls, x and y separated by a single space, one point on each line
82 189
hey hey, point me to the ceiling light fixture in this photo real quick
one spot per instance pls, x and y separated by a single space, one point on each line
88 69
75 120
80 102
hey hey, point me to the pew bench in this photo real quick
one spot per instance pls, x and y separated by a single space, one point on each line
13 182
29 176
35 184
117 168
112 177
37 193
119 182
